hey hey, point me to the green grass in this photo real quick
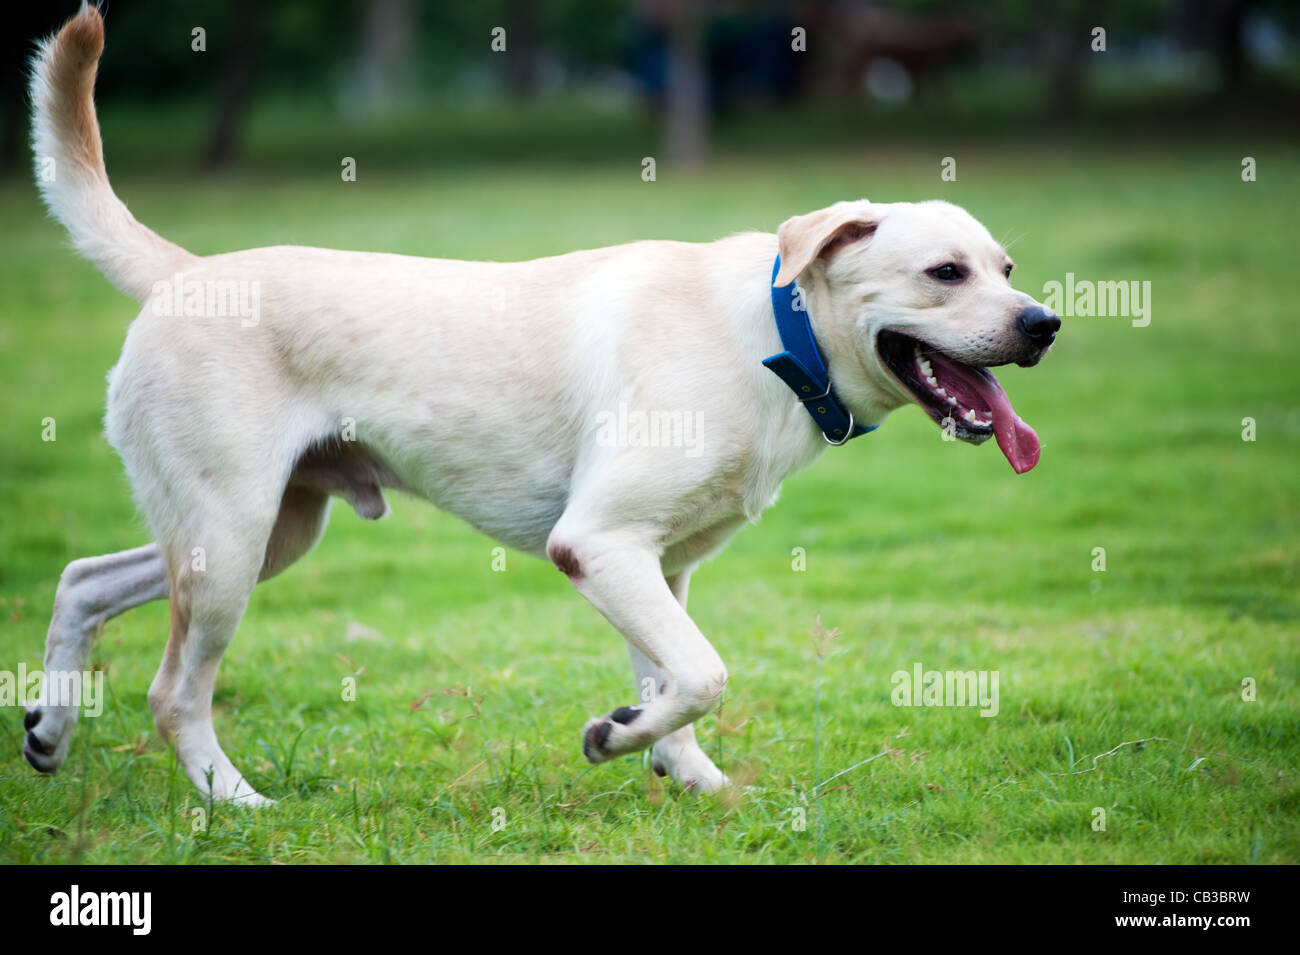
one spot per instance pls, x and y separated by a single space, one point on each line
917 549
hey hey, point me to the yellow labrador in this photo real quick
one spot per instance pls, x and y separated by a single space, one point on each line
614 411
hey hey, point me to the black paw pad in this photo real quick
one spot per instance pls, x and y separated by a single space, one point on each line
31 719
35 745
625 714
593 743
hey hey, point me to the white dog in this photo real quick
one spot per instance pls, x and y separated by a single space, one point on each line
488 388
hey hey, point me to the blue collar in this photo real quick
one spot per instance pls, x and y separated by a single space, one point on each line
801 367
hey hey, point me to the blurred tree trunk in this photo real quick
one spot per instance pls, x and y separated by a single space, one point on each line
688 94
1227 37
522 35
1068 47
238 66
384 68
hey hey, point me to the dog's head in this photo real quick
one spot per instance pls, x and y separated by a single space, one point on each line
913 302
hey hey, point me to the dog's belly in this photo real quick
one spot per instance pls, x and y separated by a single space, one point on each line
516 504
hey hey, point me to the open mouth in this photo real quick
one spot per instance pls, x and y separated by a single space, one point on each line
964 399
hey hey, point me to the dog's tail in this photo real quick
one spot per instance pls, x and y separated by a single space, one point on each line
70 163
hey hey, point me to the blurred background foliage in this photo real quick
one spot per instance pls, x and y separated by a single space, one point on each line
412 82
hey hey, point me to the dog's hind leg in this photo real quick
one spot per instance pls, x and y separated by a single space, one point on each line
678 754
92 591
208 602
214 562
304 512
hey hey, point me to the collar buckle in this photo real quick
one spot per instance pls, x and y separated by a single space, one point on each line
824 394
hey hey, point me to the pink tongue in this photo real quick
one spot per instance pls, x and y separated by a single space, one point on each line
1016 439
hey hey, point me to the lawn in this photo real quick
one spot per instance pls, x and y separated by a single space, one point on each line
473 683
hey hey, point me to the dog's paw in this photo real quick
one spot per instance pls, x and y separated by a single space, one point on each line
49 731
689 766
249 799
612 735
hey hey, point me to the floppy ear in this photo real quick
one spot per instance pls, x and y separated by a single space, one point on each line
804 238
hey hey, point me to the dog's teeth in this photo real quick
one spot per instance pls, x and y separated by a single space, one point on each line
925 368
940 391
952 401
932 382
969 416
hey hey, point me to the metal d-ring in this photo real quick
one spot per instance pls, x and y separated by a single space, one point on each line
847 434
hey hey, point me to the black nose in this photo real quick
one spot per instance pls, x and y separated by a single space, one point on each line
1039 325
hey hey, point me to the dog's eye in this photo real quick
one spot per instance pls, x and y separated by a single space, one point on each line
947 273
1007 271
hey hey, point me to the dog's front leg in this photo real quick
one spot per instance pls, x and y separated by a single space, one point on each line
678 754
620 574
